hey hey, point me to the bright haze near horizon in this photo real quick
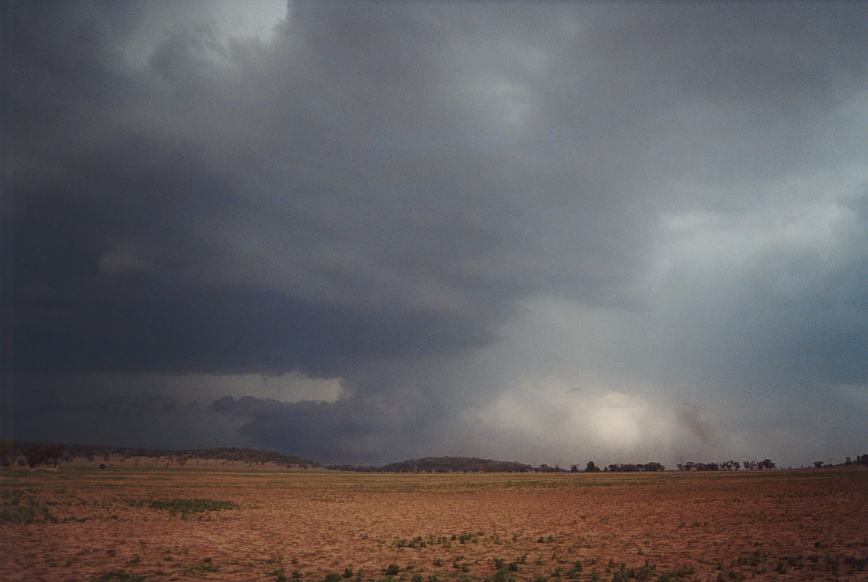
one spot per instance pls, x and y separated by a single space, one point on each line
367 231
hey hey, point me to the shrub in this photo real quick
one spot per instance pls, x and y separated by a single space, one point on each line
391 570
208 565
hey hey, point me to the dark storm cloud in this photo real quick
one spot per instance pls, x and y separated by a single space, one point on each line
314 258
137 404
370 429
379 192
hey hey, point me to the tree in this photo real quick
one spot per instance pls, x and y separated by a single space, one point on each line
43 454
5 452
591 467
574 468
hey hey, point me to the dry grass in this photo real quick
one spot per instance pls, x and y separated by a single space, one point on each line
308 526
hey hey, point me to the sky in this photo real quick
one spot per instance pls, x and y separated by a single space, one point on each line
361 232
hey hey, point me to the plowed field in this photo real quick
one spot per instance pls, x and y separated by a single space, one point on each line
180 524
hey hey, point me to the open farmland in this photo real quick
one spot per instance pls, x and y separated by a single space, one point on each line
188 524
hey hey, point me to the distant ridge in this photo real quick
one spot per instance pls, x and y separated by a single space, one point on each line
244 455
456 464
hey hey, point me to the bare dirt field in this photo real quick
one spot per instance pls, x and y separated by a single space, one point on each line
127 524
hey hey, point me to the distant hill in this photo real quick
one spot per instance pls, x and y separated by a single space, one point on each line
221 453
456 464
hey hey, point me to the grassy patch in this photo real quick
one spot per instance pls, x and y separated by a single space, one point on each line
118 576
186 506
679 573
17 506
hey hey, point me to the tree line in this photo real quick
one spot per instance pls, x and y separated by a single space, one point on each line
34 454
859 460
653 466
764 465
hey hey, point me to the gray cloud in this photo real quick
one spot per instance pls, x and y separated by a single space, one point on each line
441 205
